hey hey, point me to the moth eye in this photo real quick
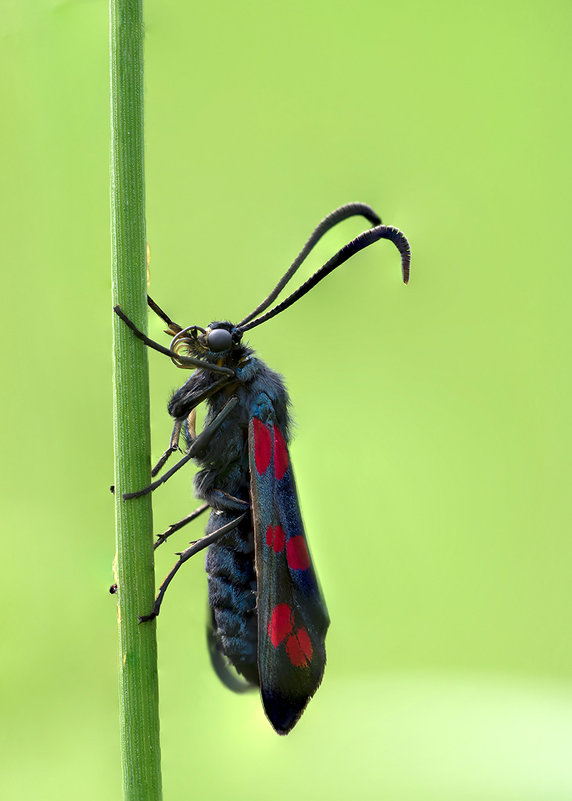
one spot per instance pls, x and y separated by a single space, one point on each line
219 339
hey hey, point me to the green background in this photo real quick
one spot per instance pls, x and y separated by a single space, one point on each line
432 443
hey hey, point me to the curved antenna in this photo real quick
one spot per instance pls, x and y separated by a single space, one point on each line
349 210
359 243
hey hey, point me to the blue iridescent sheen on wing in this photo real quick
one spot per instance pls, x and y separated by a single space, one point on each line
292 615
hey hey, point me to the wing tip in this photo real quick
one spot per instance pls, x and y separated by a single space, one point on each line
282 712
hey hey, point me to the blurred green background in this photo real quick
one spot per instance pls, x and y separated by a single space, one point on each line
433 443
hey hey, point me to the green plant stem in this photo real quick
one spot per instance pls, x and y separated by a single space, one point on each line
140 749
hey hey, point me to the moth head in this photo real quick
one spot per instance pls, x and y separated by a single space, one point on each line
221 337
213 343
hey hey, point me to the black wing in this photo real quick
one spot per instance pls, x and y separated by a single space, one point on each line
292 615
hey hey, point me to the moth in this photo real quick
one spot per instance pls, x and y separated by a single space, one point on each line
268 618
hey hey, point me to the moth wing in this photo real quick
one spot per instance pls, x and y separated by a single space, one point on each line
292 615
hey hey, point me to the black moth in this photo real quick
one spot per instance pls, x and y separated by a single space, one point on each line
268 618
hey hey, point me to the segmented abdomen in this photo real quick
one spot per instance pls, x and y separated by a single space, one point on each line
232 594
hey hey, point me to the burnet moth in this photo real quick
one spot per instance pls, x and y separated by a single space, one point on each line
268 618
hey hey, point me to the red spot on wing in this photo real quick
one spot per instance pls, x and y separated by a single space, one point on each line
279 538
299 648
281 624
297 553
262 445
280 454
275 537
269 535
298 642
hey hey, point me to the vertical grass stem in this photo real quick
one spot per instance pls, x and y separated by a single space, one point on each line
135 576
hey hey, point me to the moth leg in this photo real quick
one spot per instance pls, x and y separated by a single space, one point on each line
173 445
174 328
224 501
161 538
187 361
194 548
196 399
196 448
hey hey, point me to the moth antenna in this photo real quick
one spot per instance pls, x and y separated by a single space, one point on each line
359 243
335 217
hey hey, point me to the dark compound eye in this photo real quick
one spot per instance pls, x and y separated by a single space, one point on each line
219 339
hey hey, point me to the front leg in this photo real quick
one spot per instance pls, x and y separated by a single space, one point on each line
173 327
182 406
196 449
187 361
